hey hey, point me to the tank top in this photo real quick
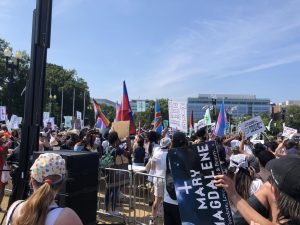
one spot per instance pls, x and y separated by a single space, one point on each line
53 212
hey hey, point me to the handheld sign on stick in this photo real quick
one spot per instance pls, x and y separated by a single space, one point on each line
200 201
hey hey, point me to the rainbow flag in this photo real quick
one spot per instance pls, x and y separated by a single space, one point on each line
99 113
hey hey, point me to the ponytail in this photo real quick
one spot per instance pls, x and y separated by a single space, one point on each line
35 208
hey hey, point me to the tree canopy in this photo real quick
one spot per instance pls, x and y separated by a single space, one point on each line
57 79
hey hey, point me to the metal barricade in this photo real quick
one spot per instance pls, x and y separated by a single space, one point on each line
115 196
145 185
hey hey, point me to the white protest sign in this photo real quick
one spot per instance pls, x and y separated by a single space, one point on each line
8 125
20 120
289 132
252 126
68 121
78 115
196 127
46 115
140 106
178 115
14 122
201 123
2 113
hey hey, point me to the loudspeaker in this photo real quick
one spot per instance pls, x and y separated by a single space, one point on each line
79 190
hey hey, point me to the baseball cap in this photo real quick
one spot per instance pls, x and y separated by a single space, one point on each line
165 142
285 173
238 161
48 164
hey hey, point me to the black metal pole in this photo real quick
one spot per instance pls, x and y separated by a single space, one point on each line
41 32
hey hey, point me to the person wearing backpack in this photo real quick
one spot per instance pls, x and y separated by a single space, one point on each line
171 209
114 157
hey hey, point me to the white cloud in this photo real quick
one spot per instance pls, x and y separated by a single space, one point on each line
230 46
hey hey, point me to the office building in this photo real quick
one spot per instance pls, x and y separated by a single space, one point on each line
237 105
134 104
106 102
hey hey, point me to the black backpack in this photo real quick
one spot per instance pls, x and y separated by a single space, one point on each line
170 182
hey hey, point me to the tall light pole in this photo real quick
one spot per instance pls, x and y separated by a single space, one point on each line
83 111
73 103
52 98
14 71
61 106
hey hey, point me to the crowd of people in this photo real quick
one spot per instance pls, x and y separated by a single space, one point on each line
262 180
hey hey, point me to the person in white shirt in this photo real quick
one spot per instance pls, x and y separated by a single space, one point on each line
158 165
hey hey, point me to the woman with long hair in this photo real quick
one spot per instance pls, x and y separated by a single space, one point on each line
47 175
285 188
246 183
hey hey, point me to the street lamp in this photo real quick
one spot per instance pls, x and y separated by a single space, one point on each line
52 98
14 68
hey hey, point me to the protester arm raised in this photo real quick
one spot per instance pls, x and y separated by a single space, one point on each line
243 207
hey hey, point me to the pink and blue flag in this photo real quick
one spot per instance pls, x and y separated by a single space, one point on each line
221 122
157 119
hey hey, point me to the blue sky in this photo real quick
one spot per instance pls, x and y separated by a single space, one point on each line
170 48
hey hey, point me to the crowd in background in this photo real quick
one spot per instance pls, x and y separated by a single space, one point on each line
262 180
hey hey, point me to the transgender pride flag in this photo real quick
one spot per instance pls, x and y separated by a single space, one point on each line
221 122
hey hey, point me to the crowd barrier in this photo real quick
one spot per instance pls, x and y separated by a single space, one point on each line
125 196
143 197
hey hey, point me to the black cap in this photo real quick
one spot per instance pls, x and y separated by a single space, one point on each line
285 173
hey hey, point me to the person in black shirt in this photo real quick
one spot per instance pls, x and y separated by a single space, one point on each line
139 152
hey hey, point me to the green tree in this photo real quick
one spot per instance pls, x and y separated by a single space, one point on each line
12 82
57 79
146 118
292 116
61 80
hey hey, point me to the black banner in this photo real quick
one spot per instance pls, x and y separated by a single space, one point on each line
200 201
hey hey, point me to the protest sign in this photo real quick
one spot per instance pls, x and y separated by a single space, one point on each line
7 123
78 115
252 126
166 123
76 124
14 122
68 121
140 106
201 123
2 113
200 201
122 128
178 115
46 115
288 132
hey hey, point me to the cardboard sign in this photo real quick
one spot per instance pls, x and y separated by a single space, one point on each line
252 126
289 132
140 106
68 121
200 201
2 113
122 128
178 115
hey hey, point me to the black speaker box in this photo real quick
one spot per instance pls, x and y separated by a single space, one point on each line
79 191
